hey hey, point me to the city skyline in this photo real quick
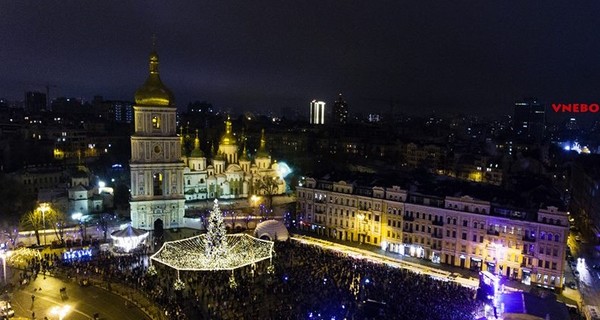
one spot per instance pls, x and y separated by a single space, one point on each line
422 58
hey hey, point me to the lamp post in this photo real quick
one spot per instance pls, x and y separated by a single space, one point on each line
361 220
3 255
43 208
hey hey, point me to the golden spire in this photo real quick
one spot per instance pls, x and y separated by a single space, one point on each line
197 152
228 138
262 150
153 91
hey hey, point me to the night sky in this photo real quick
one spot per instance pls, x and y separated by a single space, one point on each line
443 56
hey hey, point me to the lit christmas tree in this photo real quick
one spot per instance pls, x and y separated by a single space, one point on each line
216 244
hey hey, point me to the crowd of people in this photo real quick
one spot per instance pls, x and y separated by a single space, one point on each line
301 282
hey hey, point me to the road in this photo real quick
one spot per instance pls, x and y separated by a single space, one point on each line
82 301
586 255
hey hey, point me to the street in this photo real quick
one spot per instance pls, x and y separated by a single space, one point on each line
586 255
82 302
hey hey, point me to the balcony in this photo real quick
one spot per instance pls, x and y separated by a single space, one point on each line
408 218
493 232
528 239
438 223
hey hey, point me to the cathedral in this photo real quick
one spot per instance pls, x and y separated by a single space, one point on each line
163 177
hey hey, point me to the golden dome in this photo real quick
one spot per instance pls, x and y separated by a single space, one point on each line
153 91
228 138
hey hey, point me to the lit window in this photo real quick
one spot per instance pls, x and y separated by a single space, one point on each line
156 122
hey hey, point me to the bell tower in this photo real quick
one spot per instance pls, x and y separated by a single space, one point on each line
157 196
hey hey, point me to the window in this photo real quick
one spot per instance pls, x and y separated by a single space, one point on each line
475 225
155 122
157 182
474 238
480 239
556 237
464 236
453 234
465 223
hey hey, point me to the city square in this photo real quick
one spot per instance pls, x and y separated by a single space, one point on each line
317 160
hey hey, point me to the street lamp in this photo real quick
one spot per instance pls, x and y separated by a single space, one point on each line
61 312
4 255
43 208
361 221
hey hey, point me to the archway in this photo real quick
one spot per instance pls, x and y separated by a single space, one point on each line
159 232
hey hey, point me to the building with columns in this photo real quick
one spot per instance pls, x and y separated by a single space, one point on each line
157 194
459 231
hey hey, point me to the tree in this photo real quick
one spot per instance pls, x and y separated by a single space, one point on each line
268 186
104 223
216 244
38 218
58 221
14 201
33 220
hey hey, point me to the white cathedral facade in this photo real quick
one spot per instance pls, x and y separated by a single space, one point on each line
163 179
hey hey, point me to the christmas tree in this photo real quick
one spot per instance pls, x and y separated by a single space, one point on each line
216 244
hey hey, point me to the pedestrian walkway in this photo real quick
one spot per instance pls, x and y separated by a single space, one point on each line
568 296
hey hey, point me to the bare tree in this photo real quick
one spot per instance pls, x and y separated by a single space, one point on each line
58 221
104 223
32 220
268 186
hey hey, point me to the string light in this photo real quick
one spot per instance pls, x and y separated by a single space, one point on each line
214 250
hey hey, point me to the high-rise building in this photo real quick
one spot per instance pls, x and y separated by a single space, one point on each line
340 110
157 199
529 120
35 101
317 112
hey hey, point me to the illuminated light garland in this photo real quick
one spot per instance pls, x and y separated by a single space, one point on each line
129 238
151 271
214 250
178 285
232 283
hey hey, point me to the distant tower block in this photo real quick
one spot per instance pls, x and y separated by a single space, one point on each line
317 112
340 110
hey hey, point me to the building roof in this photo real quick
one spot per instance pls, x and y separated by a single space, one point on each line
128 232
153 92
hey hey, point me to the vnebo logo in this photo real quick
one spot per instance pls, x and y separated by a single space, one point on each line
575 107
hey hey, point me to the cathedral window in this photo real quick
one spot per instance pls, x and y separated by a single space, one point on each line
157 181
155 122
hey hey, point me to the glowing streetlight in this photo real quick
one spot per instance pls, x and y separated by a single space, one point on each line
361 228
61 312
4 255
43 208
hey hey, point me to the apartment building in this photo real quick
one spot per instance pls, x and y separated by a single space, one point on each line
459 231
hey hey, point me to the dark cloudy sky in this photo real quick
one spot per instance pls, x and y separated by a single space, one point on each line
471 56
